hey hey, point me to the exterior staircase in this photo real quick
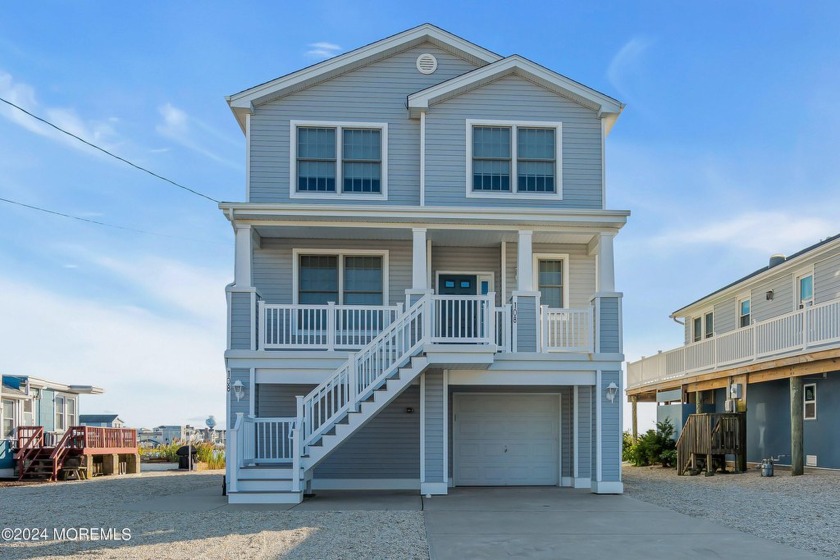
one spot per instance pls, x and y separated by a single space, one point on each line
273 458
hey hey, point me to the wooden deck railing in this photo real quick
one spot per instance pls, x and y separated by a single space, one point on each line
709 434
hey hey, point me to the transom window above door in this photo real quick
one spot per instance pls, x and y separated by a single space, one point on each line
338 159
344 279
522 159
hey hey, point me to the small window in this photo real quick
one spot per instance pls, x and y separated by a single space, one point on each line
550 282
698 329
806 290
71 412
810 398
8 413
60 418
744 313
709 319
28 416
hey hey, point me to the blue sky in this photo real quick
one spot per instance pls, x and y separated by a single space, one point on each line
725 153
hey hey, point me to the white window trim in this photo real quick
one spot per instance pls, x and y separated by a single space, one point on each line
804 402
553 257
339 183
514 183
702 316
75 411
480 276
63 412
747 296
15 417
799 274
340 253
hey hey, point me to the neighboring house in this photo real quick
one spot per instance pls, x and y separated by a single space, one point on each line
31 401
752 344
424 290
101 420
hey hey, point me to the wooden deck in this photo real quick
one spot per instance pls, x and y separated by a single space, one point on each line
37 459
707 439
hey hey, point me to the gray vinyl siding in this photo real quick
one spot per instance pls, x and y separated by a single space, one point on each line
827 279
374 93
435 425
567 432
526 324
610 430
468 259
581 271
782 302
609 325
273 262
240 320
243 375
726 315
514 99
387 447
585 431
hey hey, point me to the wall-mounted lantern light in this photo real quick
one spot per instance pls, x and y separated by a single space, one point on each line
612 391
238 390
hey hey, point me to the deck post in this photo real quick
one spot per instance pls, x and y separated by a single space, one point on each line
797 447
635 419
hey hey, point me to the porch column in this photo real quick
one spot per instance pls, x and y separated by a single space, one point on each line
634 401
797 444
606 264
242 264
434 445
419 267
526 299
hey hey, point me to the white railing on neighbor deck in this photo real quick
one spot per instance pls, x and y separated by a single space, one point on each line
567 330
322 327
798 331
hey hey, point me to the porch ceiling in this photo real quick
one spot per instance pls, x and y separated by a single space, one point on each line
439 237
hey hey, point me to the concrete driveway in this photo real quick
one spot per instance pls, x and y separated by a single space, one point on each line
560 523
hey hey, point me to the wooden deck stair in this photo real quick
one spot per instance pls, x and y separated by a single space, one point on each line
707 439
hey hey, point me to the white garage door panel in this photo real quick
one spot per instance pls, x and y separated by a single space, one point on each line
506 440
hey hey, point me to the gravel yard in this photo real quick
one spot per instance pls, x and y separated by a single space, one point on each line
216 532
800 511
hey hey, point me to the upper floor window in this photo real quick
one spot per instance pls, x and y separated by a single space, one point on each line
805 290
522 158
744 312
336 159
703 326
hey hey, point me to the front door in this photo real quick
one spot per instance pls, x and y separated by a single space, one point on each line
458 285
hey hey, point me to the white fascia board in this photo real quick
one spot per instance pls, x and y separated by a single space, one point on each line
78 389
248 98
735 289
415 216
607 107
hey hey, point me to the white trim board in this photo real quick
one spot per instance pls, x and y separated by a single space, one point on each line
365 484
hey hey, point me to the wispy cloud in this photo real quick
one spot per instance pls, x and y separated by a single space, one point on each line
322 49
22 94
189 132
768 232
626 63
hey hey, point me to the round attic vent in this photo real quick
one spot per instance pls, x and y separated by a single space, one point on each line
426 63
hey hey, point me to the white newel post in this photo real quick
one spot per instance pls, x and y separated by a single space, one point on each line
297 445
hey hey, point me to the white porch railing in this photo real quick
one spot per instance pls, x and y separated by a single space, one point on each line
795 332
463 319
322 327
567 330
504 328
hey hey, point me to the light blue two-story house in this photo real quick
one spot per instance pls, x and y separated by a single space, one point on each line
424 284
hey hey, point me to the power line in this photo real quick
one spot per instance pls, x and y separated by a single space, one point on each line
103 150
96 222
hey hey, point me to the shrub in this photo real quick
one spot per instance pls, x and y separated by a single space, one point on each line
207 453
655 447
626 445
166 453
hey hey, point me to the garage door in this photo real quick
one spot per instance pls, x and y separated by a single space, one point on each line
505 439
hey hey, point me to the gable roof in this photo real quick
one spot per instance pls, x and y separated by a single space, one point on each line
242 103
799 255
606 106
98 418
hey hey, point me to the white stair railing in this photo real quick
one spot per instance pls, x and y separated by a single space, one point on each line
362 373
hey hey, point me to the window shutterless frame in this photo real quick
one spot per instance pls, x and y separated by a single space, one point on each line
514 191
339 127
809 401
744 311
340 254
